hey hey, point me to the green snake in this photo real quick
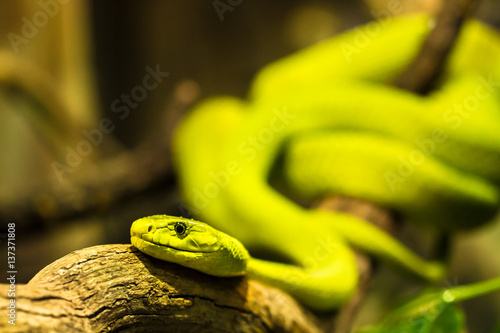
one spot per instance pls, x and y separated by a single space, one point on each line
327 121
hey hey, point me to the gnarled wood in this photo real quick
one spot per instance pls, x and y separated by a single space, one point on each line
117 288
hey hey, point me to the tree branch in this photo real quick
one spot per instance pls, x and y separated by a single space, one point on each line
429 63
116 287
419 77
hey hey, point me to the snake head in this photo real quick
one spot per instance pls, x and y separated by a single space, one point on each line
189 243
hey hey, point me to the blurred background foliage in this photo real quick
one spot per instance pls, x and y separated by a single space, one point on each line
64 63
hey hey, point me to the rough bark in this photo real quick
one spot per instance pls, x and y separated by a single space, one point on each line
117 288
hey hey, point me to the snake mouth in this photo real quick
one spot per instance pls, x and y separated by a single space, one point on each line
147 246
166 253
151 247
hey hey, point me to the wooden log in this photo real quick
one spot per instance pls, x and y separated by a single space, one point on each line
116 287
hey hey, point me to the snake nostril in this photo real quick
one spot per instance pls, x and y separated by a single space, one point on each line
150 228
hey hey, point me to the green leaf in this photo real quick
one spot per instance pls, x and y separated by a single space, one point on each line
434 312
428 313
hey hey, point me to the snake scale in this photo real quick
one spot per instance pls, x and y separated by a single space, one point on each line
329 121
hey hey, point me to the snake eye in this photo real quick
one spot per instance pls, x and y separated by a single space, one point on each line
180 228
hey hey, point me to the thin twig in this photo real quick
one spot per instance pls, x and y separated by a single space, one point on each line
423 72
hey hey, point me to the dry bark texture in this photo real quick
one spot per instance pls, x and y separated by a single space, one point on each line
117 288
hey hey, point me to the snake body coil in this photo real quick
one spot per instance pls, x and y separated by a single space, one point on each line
341 129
